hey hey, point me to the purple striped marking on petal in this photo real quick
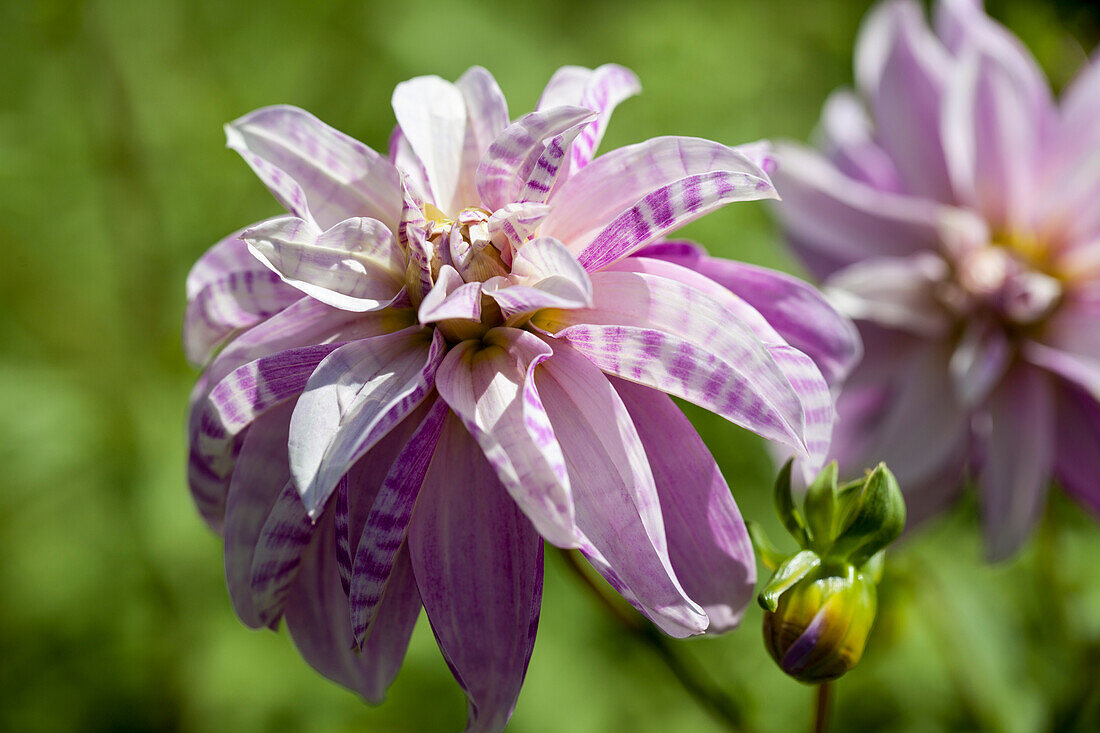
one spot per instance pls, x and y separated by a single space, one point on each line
513 155
355 396
283 540
516 224
343 541
388 522
668 208
543 176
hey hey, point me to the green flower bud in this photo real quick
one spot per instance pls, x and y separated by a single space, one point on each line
820 626
820 603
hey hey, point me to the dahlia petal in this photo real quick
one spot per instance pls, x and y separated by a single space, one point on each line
803 375
486 118
489 386
283 539
514 154
552 278
979 361
1019 459
1072 328
544 175
517 223
991 132
661 333
707 541
319 174
1079 370
261 473
355 265
607 87
895 292
432 115
1077 446
964 25
386 525
564 88
451 297
832 220
627 198
353 398
342 526
793 307
317 618
414 177
847 137
617 507
478 563
902 69
920 431
228 290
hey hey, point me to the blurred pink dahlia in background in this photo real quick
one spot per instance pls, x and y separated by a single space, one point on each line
441 358
954 212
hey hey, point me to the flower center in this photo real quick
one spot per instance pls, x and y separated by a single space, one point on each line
464 243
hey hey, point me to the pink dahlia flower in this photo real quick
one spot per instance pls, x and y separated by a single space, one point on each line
953 211
443 357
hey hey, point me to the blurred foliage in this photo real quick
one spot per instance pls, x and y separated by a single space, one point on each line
114 178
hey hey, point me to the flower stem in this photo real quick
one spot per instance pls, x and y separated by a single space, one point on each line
821 707
721 706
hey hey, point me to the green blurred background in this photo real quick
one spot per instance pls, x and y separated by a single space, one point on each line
114 178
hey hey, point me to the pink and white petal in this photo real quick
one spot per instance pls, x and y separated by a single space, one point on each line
478 564
915 423
1072 328
617 507
963 25
615 183
545 259
707 541
286 533
515 224
895 292
607 87
832 220
229 304
902 69
1077 447
451 297
979 361
1082 371
355 265
545 175
511 158
661 333
432 115
795 309
317 618
486 118
564 88
386 524
489 385
229 255
260 474
991 133
316 172
356 396
1019 459
846 135
414 177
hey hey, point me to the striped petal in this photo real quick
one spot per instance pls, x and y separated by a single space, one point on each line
317 618
316 172
478 562
283 539
1077 446
631 196
661 333
489 385
795 309
708 544
486 116
551 277
617 508
355 265
387 523
228 291
355 396
512 157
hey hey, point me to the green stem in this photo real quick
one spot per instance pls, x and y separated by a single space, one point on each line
821 707
691 677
